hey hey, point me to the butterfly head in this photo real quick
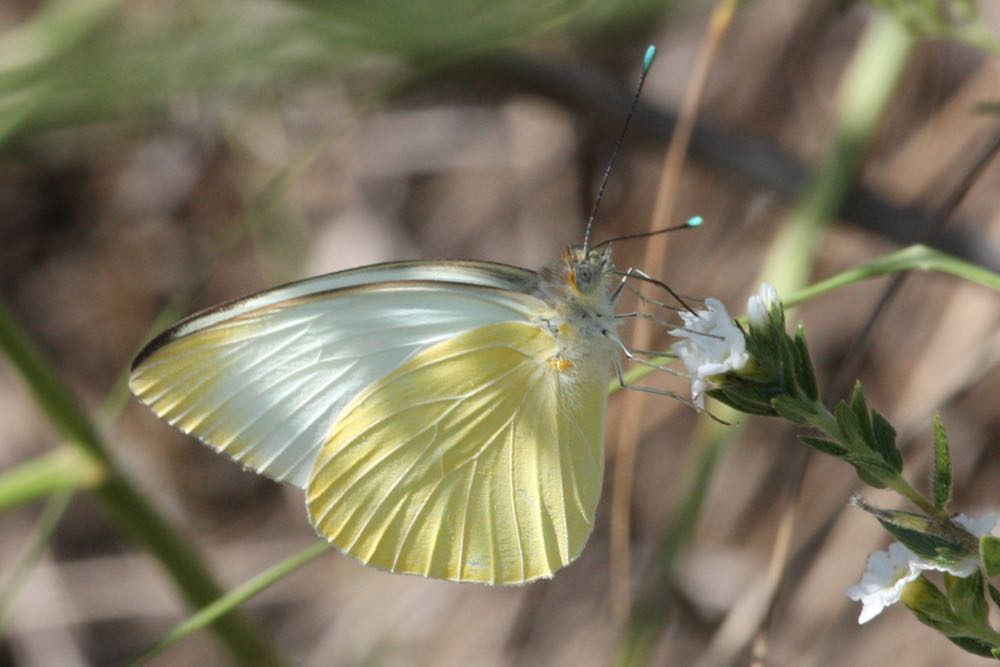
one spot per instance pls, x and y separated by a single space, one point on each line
587 270
579 279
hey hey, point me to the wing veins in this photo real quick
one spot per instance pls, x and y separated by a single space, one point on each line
575 485
465 519
231 395
276 402
544 516
273 330
302 404
513 502
423 504
378 422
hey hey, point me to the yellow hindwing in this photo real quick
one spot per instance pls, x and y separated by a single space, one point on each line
479 459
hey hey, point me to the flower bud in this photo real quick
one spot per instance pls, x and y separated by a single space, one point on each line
763 306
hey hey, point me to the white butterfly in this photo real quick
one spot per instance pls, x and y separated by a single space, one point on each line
444 418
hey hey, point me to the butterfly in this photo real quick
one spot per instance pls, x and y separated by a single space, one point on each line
445 418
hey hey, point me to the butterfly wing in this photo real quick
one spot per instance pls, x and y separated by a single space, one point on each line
265 378
479 459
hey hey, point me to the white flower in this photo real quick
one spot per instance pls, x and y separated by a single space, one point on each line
713 345
887 574
760 304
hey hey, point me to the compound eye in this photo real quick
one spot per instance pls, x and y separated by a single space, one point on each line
584 275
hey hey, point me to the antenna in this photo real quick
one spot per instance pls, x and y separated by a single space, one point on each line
647 62
693 222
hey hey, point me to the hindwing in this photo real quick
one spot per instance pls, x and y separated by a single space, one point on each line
479 459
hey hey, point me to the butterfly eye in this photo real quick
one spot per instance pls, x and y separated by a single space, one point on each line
583 276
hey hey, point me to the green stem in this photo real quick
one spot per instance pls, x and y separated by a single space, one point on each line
127 508
825 421
232 599
913 257
903 488
61 470
35 545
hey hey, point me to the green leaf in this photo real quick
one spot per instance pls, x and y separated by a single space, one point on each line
994 593
941 476
876 480
872 471
929 538
870 438
807 374
848 424
793 409
825 446
859 406
931 606
743 401
967 597
989 549
788 354
973 645
885 441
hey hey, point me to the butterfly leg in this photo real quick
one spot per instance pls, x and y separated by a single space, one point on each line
639 274
646 316
653 390
665 324
622 284
635 357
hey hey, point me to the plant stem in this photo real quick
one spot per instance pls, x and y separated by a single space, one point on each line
61 470
903 488
913 257
127 507
35 545
233 598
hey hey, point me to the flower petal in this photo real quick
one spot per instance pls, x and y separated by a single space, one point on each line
886 574
713 345
761 304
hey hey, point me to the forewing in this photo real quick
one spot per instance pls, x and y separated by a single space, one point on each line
480 459
264 379
460 271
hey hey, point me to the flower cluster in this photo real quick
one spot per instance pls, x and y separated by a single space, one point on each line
713 346
888 572
762 370
746 370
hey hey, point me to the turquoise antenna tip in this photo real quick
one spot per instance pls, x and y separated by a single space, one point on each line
695 221
647 61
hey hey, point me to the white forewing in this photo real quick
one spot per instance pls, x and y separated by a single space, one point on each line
265 378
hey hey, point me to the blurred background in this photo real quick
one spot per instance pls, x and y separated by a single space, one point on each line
156 158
